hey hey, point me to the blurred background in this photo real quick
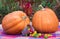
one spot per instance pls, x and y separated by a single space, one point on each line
28 6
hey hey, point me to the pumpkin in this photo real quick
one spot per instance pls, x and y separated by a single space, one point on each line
15 22
45 21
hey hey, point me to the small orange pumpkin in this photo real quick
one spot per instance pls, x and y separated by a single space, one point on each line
15 22
45 21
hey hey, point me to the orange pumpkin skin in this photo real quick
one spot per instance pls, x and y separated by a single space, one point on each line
14 23
45 21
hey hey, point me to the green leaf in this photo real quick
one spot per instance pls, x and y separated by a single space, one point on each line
0 4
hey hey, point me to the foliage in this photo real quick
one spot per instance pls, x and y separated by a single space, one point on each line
44 3
8 6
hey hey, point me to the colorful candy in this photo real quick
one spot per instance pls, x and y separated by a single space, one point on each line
49 35
35 34
45 36
29 31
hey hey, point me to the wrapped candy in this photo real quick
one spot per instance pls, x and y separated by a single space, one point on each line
29 29
35 34
47 35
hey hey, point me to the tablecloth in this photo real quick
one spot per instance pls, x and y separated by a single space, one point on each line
56 35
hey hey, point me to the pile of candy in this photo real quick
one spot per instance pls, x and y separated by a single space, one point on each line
29 31
38 35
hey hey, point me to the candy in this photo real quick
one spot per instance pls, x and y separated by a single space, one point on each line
39 34
46 36
30 29
49 35
34 33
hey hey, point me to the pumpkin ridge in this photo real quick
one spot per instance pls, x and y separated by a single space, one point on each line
14 25
41 22
11 25
47 23
14 28
46 20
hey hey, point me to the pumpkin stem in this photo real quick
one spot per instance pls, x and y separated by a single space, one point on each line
41 7
24 17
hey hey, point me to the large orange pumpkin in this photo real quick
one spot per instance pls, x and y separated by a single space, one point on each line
45 21
15 22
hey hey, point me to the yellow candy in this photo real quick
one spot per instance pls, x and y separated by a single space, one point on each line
49 35
34 33
39 34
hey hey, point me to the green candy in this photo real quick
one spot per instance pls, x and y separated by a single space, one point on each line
46 37
36 35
